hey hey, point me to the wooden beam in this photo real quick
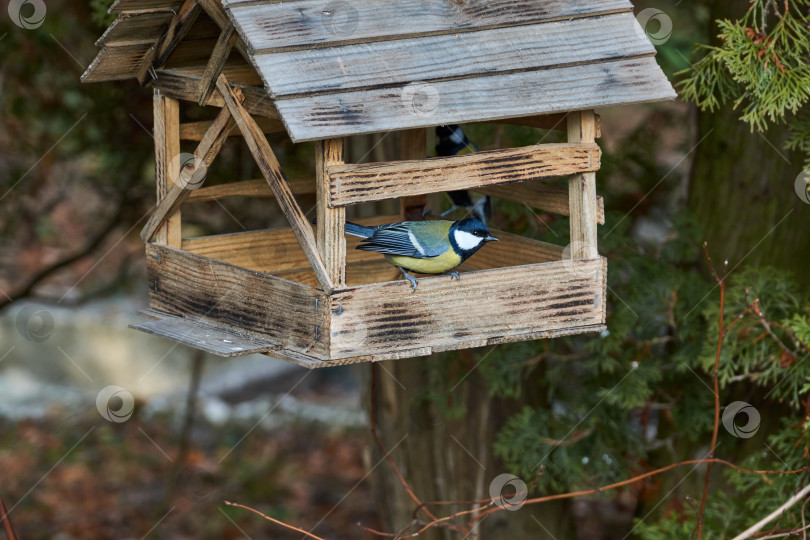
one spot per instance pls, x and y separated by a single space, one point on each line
192 176
351 184
540 195
331 222
271 170
184 86
413 145
178 28
215 10
215 64
248 188
166 112
194 131
582 192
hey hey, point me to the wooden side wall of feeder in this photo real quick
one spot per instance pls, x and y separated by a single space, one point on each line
167 163
583 209
331 222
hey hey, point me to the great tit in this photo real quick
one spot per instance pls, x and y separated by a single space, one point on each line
425 247
451 141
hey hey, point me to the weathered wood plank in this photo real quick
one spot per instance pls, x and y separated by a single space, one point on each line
311 23
184 86
166 112
179 26
248 188
215 64
254 304
355 183
134 28
194 131
206 337
192 175
120 6
116 63
452 56
477 100
388 317
238 73
412 145
548 121
582 192
271 170
542 196
331 222
513 250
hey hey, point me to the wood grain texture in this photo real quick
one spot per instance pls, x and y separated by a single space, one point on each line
388 317
582 192
192 176
331 222
352 184
136 28
412 145
222 49
513 250
116 63
254 304
312 23
271 170
206 337
248 188
476 100
119 6
184 86
194 131
542 196
178 27
166 113
452 56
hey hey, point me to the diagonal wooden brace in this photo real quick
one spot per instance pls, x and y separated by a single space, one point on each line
192 176
178 28
215 64
268 164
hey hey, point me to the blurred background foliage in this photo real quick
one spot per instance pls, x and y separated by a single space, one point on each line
76 176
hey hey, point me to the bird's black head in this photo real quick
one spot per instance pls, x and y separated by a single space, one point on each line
468 235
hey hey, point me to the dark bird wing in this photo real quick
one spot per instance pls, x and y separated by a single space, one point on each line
419 239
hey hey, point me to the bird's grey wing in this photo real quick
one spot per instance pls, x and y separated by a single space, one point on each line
398 240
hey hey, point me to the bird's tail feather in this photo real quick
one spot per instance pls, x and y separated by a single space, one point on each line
359 230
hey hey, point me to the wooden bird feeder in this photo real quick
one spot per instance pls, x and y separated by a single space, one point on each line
325 70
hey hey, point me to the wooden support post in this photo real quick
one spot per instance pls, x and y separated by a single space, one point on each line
166 132
331 222
215 63
271 170
413 145
192 175
178 28
582 192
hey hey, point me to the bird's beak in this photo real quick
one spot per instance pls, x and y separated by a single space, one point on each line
491 238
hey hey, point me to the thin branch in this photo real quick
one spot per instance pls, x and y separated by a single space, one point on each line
751 531
4 517
277 522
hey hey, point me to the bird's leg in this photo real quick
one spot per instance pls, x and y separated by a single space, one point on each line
455 274
409 278
449 210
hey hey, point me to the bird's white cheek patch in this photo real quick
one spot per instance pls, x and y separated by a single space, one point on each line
466 240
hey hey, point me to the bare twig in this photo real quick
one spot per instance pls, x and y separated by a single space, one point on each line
4 517
277 522
751 531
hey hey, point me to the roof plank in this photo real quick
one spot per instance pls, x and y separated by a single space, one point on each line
120 6
474 100
131 28
312 23
364 65
116 63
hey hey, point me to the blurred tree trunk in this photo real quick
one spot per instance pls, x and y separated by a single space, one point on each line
742 186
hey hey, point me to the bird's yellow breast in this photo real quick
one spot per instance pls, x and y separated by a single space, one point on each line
431 265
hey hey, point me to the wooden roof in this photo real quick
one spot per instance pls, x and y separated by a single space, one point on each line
345 67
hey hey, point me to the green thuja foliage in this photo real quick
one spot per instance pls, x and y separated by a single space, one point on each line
761 66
